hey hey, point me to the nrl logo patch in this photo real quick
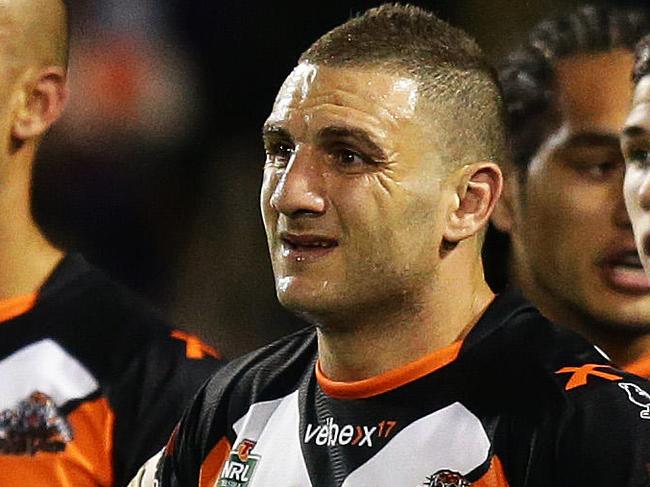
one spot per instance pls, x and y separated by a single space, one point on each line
446 478
34 425
637 396
240 466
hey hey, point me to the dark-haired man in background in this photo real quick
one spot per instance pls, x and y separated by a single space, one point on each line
91 380
572 251
381 175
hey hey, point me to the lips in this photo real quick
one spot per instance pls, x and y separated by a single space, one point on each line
302 247
623 272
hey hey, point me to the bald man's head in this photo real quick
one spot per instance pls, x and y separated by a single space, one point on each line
34 33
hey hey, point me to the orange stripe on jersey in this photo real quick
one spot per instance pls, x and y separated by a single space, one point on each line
494 477
391 379
85 462
580 375
13 307
640 368
194 347
213 463
94 421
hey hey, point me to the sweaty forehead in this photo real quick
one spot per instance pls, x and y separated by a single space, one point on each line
311 89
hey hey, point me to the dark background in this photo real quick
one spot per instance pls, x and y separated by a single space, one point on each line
154 172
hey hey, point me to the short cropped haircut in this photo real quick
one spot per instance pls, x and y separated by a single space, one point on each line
528 74
641 59
449 67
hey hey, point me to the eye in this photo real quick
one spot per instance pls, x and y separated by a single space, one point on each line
638 157
279 153
595 162
350 159
601 170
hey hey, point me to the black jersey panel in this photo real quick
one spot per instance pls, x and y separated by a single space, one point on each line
109 367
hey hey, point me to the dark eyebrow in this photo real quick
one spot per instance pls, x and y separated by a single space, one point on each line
590 139
275 131
361 136
634 131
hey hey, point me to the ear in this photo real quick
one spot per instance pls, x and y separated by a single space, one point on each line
41 103
503 216
476 195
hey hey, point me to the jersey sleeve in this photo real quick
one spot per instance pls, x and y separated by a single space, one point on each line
203 443
146 475
199 445
152 395
605 436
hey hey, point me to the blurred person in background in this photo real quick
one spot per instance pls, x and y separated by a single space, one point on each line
380 177
572 251
126 158
91 379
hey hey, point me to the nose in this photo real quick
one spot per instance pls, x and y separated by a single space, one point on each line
300 188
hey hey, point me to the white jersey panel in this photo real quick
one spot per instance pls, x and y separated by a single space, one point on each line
281 461
449 439
251 425
45 367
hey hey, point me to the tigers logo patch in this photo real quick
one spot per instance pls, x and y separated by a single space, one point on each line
34 425
446 478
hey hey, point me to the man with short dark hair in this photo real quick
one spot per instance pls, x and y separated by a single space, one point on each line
91 380
380 177
572 250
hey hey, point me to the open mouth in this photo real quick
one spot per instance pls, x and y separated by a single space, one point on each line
624 272
307 246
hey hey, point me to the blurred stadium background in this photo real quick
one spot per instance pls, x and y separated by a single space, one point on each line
155 170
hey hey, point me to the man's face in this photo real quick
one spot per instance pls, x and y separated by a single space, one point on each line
572 242
351 198
635 143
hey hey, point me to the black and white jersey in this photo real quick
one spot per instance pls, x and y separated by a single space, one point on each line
519 402
91 382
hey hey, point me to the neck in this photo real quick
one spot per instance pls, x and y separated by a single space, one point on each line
427 321
624 349
624 343
26 257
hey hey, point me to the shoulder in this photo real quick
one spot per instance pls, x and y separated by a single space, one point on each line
269 372
594 418
604 432
147 354
564 364
545 351
255 381
545 364
79 293
589 420
86 311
